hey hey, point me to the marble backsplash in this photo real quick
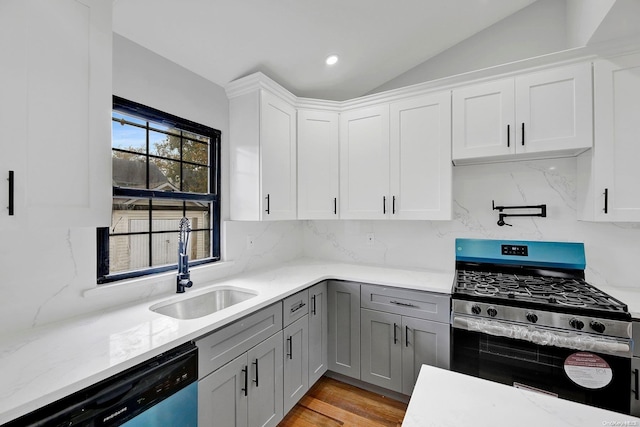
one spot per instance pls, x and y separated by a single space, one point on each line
611 249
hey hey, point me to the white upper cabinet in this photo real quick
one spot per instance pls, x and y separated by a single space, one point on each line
55 86
318 164
421 158
608 176
535 115
364 163
263 156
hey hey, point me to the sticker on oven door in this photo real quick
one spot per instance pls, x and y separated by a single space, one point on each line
588 370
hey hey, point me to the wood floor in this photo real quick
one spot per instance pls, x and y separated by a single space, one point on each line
333 403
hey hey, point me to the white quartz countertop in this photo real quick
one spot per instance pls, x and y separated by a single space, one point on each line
42 365
444 398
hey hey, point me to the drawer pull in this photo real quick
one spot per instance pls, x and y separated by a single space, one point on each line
404 304
635 390
297 307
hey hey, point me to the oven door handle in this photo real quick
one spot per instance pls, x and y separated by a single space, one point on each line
543 336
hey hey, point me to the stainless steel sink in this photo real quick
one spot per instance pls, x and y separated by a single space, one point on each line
203 304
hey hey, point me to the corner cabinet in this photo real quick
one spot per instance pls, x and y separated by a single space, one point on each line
318 164
608 175
395 160
344 327
534 115
262 139
56 139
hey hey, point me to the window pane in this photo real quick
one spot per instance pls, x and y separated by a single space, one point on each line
126 117
164 128
128 137
198 214
195 152
128 252
195 136
164 249
164 175
124 211
163 145
130 170
166 215
196 178
199 245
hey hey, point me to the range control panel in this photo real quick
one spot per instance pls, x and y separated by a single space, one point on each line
516 250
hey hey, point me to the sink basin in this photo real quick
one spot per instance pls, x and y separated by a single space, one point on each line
203 304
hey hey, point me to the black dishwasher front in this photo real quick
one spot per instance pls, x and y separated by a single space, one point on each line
162 391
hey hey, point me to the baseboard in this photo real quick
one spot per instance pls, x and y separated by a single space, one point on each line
369 387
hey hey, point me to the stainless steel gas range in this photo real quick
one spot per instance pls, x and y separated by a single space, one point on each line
523 315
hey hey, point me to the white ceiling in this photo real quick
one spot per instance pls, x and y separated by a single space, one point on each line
288 40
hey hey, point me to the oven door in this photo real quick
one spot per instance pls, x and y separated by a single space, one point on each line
596 379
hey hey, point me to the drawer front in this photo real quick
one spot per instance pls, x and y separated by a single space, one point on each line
294 307
231 341
423 305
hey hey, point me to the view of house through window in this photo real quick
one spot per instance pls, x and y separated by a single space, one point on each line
164 168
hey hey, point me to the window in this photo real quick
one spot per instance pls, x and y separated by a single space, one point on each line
164 168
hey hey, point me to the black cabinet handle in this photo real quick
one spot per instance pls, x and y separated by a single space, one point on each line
335 206
395 334
508 135
384 204
297 307
406 336
313 305
11 194
268 210
606 201
635 383
290 352
245 371
256 380
522 133
393 205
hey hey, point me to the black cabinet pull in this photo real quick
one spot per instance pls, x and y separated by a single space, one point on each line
256 380
406 336
313 305
635 383
522 133
11 194
606 201
335 206
508 135
245 371
268 210
290 352
395 334
393 205
384 204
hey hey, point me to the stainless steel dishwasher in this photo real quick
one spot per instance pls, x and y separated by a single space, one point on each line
162 391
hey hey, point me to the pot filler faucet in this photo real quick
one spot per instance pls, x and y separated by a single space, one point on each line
184 278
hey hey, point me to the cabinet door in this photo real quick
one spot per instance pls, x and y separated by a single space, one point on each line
424 342
421 157
344 328
318 164
364 163
57 104
277 157
483 117
265 382
381 351
223 396
318 332
617 153
554 110
296 362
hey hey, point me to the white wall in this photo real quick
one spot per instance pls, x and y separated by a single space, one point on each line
47 271
612 250
536 30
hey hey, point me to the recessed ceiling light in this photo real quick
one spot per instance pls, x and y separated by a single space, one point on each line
331 59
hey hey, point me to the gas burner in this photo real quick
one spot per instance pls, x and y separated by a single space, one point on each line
485 289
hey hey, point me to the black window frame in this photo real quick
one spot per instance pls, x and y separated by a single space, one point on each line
153 115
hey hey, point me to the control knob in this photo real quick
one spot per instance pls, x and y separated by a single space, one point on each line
576 323
597 326
492 312
475 309
532 317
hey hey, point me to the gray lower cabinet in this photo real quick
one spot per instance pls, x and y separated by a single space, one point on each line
381 349
296 362
318 331
344 327
246 391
